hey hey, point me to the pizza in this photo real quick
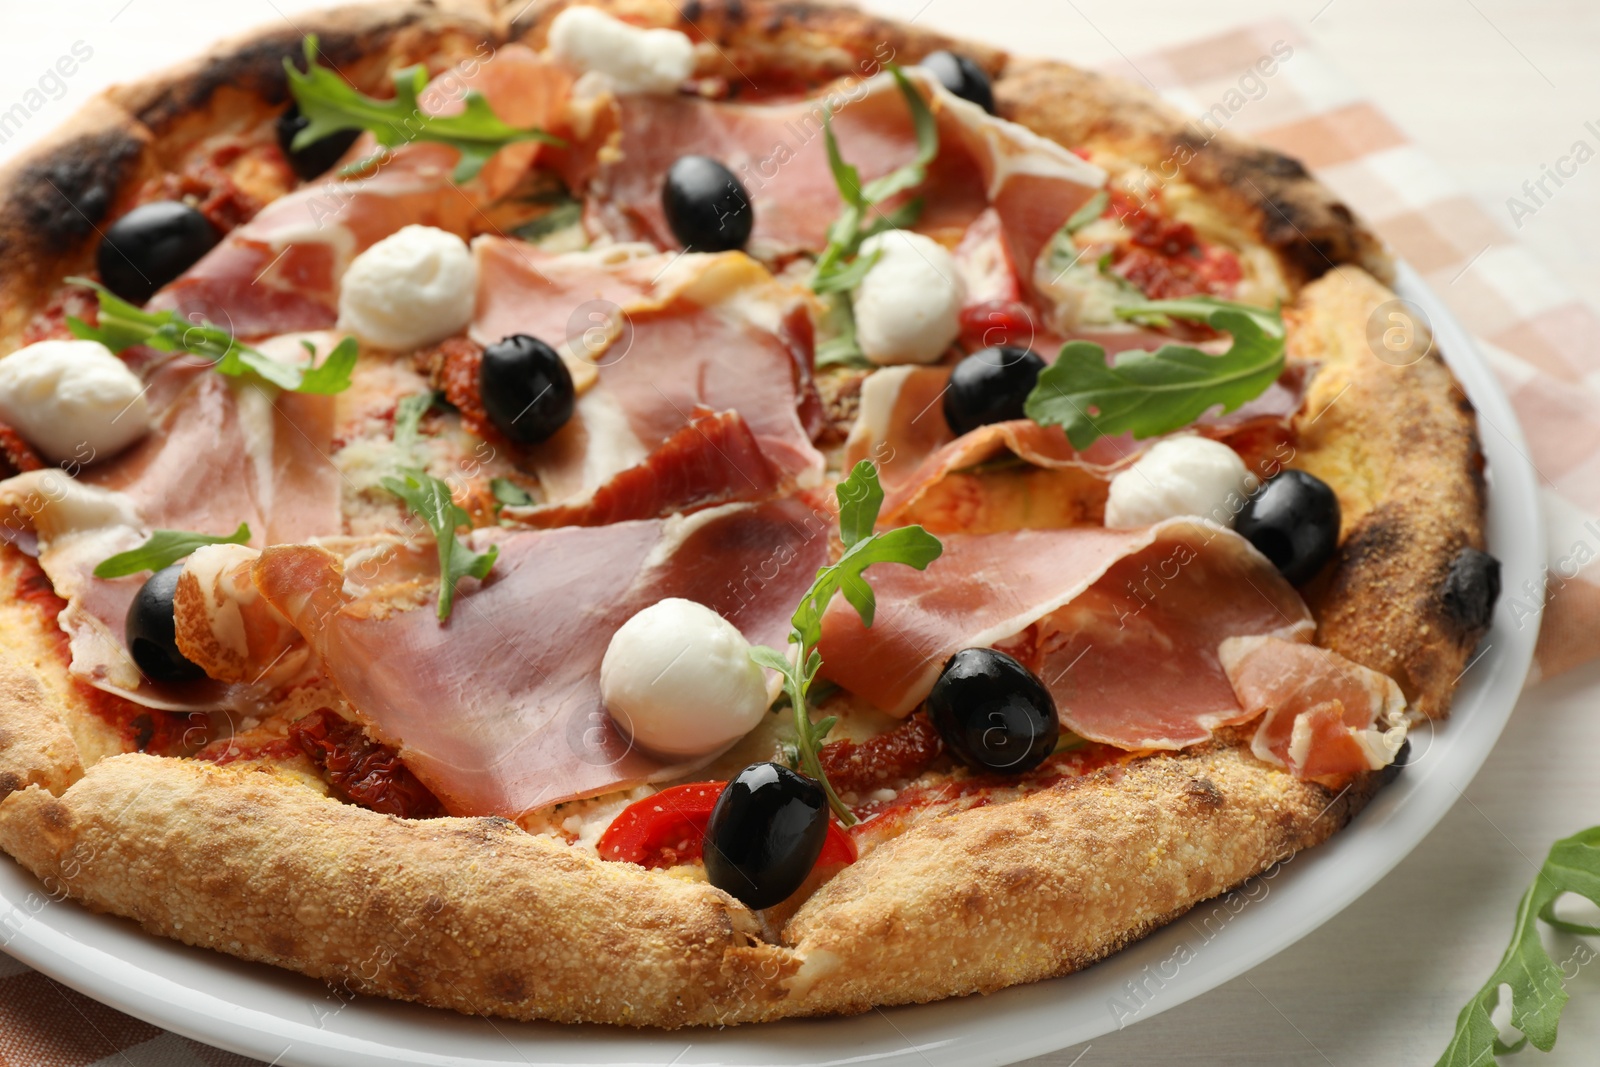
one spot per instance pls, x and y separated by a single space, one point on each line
670 516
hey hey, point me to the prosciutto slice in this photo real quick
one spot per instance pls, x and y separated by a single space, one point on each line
498 711
280 271
1123 626
778 152
1323 716
698 369
222 451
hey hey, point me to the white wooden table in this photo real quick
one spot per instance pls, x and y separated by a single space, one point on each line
1492 89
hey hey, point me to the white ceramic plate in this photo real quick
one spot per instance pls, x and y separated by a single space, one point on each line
290 1020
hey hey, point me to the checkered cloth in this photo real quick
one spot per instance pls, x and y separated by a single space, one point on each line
1540 338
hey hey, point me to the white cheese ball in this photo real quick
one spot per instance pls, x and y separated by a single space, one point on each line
73 400
412 288
679 680
636 60
908 306
1179 476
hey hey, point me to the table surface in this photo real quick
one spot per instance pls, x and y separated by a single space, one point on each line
1494 90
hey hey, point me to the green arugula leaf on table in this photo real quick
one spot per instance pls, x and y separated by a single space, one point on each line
1537 991
1151 393
860 497
122 326
330 104
429 499
163 549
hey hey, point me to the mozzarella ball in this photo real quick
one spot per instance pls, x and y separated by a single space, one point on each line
636 60
908 306
679 680
1187 475
412 288
73 400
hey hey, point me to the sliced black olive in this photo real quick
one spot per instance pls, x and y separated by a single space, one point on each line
993 713
1471 589
1293 520
706 206
150 246
316 158
765 834
961 76
152 632
990 386
526 389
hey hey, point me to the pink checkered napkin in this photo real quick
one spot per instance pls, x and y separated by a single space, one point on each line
1542 341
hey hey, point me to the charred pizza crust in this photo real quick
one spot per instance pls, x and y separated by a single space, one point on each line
476 915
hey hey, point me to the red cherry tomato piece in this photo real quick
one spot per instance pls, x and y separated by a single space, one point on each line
669 828
997 322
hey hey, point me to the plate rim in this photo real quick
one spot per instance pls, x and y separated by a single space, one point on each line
1001 1028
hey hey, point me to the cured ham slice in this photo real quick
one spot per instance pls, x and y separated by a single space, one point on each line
222 451
280 271
1323 717
1121 625
699 368
498 711
778 152
926 469
713 460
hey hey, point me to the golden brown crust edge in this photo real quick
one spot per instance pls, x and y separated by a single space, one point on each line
1399 444
475 915
685 956
57 196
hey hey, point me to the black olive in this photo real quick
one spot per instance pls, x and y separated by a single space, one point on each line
961 76
150 246
990 386
765 834
1293 520
526 389
153 634
1401 758
993 713
316 158
706 206
1471 589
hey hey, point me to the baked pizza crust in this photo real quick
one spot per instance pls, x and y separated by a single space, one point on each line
479 916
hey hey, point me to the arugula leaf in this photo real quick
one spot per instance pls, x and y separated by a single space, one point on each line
163 549
408 413
1091 210
1537 991
429 499
331 104
834 272
122 326
860 497
1150 393
509 493
1160 313
839 327
565 213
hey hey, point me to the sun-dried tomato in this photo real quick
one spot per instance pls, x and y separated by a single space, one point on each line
902 753
361 770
